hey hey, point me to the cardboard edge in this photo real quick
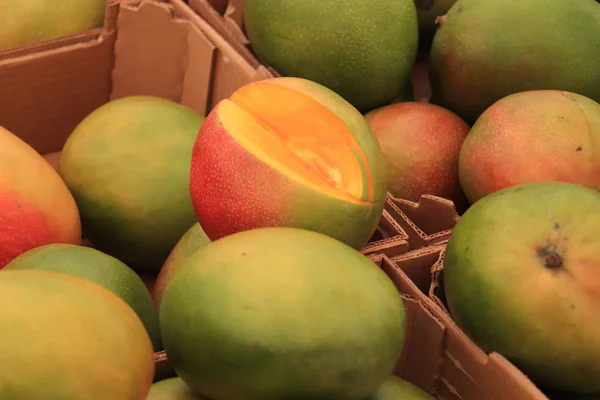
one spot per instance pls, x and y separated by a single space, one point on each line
162 367
185 11
436 290
391 247
221 23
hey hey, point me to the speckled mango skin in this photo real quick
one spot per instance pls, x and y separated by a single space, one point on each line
531 137
485 50
362 50
127 164
66 338
95 266
192 240
232 190
499 291
303 316
26 22
421 143
36 208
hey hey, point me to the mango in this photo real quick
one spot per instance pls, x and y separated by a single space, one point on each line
191 241
362 50
171 389
396 388
128 164
421 143
36 208
100 268
522 278
533 136
30 21
64 337
485 50
303 315
287 152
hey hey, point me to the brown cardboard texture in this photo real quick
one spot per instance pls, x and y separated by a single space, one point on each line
428 222
389 238
418 265
441 359
150 47
436 290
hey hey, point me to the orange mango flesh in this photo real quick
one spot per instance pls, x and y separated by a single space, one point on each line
297 136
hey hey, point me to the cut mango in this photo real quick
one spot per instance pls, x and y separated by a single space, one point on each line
299 137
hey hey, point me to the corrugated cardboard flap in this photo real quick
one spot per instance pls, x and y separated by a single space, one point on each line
418 265
428 222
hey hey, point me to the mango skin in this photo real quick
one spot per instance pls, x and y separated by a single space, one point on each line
479 55
499 291
421 144
227 180
70 339
171 389
26 22
363 51
322 322
530 137
192 240
100 268
396 388
36 207
127 165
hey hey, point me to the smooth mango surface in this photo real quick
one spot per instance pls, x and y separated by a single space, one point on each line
322 321
70 339
127 165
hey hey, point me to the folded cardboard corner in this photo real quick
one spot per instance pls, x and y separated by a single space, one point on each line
428 222
389 238
446 362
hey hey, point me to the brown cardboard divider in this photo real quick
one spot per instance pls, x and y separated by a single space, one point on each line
461 370
436 290
418 265
427 223
389 238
